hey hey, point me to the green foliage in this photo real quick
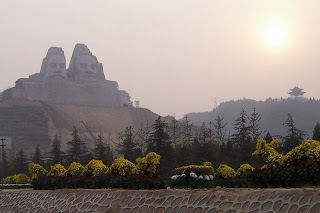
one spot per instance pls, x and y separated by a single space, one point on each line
316 132
129 146
76 148
159 143
294 137
37 156
20 162
55 154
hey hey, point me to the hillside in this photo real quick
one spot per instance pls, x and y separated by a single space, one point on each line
305 113
35 122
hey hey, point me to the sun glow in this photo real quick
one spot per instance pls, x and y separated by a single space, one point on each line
276 34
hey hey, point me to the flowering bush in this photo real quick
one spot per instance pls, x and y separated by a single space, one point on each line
95 168
205 169
37 171
268 152
226 171
75 170
121 167
100 169
57 170
9 180
241 171
147 165
21 179
308 150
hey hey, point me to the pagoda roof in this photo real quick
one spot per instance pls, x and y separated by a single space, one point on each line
296 91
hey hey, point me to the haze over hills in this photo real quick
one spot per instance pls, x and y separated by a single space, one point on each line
305 113
36 122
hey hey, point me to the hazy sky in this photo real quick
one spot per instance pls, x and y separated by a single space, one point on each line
172 56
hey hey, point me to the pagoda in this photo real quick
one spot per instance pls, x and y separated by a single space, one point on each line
296 92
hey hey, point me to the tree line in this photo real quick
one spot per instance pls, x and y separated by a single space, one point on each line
177 142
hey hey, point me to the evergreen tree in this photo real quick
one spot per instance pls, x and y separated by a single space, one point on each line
294 137
255 126
268 138
242 141
37 156
186 133
55 155
242 137
76 149
21 164
174 132
109 155
316 132
218 129
197 154
183 149
128 146
102 152
5 164
159 142
99 149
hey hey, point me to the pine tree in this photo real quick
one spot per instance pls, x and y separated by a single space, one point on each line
99 149
174 132
128 146
268 138
218 129
55 155
255 126
37 156
186 133
20 163
109 155
159 142
242 137
316 132
242 140
5 163
102 152
76 149
294 137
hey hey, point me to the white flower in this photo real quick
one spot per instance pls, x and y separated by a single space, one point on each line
206 177
193 175
211 177
174 177
200 177
183 175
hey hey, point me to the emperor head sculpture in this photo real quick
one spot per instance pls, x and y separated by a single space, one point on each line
84 67
54 64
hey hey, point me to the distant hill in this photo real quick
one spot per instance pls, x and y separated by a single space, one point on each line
35 122
305 113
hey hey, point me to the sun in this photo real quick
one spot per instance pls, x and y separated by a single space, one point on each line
276 34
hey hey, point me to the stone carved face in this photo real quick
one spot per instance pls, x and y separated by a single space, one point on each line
56 67
86 67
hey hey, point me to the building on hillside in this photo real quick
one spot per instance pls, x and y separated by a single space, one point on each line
296 92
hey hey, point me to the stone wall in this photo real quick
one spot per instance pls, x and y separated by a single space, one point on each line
216 200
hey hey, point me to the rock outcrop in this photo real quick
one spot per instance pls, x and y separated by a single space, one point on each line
83 83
